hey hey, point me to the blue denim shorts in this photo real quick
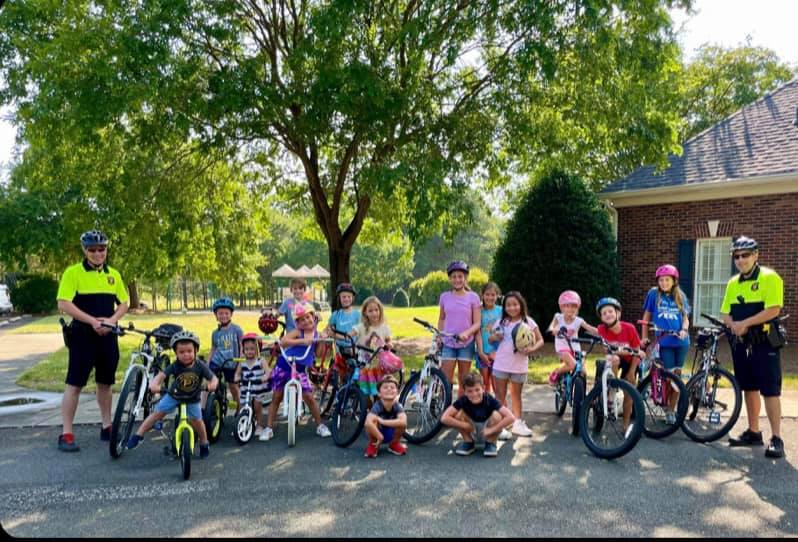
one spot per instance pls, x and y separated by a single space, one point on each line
673 357
168 404
465 353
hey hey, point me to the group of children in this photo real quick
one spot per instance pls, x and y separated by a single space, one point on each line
499 338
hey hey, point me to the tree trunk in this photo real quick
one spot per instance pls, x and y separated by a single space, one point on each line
133 291
185 296
339 269
154 297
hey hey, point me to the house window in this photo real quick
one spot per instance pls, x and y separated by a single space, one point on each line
713 269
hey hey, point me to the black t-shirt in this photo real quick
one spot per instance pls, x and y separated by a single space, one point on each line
187 380
379 410
479 412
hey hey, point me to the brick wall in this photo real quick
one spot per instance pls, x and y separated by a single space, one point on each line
648 236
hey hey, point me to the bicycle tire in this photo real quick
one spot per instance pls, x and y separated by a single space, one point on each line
559 397
212 417
607 427
124 417
654 425
694 402
244 426
292 406
324 393
424 423
349 416
185 454
579 396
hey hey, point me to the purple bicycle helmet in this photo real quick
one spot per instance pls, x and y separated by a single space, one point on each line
457 265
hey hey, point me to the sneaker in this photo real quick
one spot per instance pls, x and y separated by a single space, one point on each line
66 443
670 418
505 435
266 434
205 450
775 448
747 438
371 450
490 449
465 448
133 441
520 429
322 431
553 377
105 434
258 431
396 448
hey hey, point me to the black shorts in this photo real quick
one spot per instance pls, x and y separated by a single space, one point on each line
89 351
761 371
625 366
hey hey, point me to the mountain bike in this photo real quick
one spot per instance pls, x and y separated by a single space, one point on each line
427 393
601 413
570 387
714 396
664 394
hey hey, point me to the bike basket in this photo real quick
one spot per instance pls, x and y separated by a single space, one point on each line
703 339
390 362
163 333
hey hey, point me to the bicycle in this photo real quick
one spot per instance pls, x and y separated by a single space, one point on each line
427 393
664 394
245 420
710 416
570 387
135 396
325 381
601 414
216 405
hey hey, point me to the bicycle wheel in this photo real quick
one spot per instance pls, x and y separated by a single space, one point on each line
656 414
559 397
579 396
714 402
212 416
605 436
349 416
185 454
244 426
424 403
124 416
324 393
293 413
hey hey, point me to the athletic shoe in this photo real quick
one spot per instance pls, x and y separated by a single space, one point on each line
205 450
520 429
553 377
105 434
371 450
266 434
775 448
133 441
747 438
465 448
258 431
670 418
322 431
490 449
66 443
396 448
505 434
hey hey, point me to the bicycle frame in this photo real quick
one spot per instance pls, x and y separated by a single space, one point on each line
183 425
431 360
659 392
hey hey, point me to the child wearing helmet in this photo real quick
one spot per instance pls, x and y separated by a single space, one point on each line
345 318
519 337
568 321
670 309
188 374
296 342
225 344
253 369
298 287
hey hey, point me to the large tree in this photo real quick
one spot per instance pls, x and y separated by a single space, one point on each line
389 106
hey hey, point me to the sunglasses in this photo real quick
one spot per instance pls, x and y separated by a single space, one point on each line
96 249
742 255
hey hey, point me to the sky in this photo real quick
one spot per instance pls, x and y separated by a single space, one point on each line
770 23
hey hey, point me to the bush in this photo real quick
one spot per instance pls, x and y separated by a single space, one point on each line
477 278
428 289
400 298
34 294
363 293
559 238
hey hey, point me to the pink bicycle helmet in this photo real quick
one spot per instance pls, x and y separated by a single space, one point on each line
667 270
569 297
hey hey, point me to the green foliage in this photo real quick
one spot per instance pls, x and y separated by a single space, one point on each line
719 81
559 238
363 292
34 294
400 298
477 278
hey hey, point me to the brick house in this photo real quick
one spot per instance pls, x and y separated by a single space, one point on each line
739 177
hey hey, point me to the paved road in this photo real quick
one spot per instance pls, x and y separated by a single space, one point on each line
545 486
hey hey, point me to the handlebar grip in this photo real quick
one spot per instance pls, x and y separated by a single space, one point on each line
713 319
422 322
365 348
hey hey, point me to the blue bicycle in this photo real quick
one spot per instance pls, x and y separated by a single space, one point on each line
571 387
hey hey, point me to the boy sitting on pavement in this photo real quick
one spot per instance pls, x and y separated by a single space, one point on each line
387 420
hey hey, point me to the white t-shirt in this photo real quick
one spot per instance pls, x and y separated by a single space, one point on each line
366 339
506 360
560 345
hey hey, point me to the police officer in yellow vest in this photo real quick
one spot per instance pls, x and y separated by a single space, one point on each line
92 293
752 301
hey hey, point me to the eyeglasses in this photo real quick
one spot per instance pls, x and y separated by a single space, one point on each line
96 249
742 255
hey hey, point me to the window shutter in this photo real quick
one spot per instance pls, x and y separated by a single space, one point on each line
686 265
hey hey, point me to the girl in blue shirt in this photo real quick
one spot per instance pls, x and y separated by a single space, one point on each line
486 349
668 308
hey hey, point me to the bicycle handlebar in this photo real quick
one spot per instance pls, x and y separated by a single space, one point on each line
435 331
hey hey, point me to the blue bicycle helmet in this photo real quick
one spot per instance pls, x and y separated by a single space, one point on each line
604 301
93 238
744 243
223 303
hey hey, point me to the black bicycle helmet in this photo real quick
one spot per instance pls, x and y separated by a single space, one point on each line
457 265
184 335
223 303
604 301
345 287
93 238
744 243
